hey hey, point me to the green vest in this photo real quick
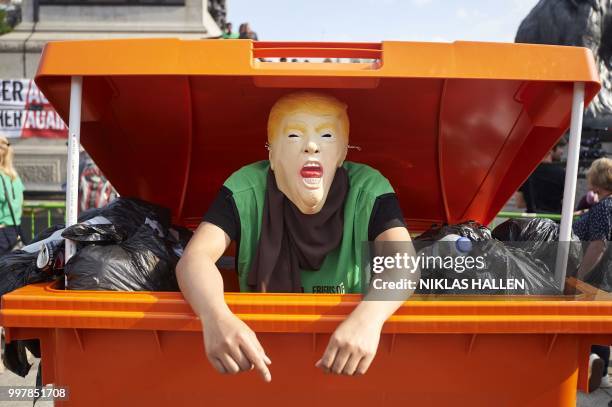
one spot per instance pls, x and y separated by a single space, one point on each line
341 269
16 200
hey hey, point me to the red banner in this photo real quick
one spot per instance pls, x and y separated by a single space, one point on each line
25 112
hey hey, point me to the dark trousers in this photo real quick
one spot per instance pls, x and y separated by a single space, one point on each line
604 353
8 239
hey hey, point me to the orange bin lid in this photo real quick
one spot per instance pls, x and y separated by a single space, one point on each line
456 127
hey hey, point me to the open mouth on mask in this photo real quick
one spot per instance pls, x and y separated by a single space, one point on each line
312 174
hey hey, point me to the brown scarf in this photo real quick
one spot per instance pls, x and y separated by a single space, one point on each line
291 241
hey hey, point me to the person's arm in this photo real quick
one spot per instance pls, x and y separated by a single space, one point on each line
231 346
592 256
354 343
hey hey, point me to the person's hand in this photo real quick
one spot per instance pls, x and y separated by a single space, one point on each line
232 347
352 347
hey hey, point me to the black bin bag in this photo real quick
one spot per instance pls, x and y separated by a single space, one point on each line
504 265
18 269
127 245
142 262
15 358
126 215
98 233
472 230
540 239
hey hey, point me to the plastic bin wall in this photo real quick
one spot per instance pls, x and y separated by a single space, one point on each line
147 349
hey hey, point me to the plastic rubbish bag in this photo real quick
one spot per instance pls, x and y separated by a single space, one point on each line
15 357
540 239
18 268
124 246
101 233
178 237
128 214
534 229
506 271
135 251
96 229
142 262
472 230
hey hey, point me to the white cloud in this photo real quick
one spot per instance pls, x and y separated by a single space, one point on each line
462 13
420 3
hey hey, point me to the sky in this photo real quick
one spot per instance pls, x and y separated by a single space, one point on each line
378 20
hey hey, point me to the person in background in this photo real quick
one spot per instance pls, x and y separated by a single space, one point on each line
95 191
245 32
242 33
11 199
543 190
595 228
227 32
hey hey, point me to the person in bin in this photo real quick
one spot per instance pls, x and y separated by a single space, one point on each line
299 220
